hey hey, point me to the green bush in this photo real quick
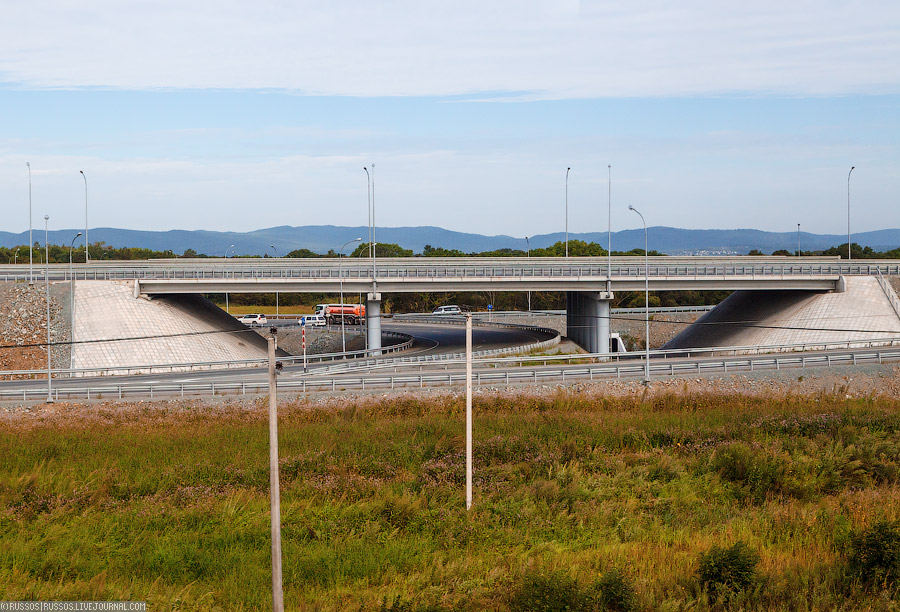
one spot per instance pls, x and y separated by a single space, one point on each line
727 570
554 592
875 554
615 592
756 472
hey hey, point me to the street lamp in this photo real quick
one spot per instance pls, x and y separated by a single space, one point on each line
86 259
272 246
567 211
798 240
47 288
72 287
341 276
646 299
226 273
528 254
369 202
16 257
30 238
609 229
849 254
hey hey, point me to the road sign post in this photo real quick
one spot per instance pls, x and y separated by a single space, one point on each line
303 341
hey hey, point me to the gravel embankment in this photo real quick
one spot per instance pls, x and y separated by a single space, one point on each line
23 324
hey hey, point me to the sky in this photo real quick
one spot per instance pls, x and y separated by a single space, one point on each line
236 116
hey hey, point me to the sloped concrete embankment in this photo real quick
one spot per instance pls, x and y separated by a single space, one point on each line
759 318
115 330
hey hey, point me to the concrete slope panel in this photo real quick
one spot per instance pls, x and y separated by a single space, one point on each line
113 329
761 318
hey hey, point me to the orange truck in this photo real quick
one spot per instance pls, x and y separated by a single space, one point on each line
352 314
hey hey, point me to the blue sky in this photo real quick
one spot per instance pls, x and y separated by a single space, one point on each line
217 117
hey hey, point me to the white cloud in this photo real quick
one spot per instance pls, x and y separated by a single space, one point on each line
542 48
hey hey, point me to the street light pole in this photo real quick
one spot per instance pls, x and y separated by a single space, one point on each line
609 229
646 299
528 254
276 293
30 237
72 292
374 285
86 258
226 273
369 202
341 276
798 240
16 257
849 254
567 211
47 287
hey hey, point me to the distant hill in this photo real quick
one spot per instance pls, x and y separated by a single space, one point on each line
321 238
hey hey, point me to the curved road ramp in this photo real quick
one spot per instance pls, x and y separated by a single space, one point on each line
866 310
165 329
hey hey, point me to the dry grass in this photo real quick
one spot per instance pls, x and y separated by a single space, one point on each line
168 502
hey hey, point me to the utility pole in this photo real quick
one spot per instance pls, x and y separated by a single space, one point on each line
274 492
468 410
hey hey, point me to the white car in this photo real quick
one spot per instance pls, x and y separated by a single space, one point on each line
253 319
447 310
314 320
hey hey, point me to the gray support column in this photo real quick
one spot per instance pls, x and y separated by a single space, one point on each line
373 322
587 320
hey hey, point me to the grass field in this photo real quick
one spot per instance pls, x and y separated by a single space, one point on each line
605 502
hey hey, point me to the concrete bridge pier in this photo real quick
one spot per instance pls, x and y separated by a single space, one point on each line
373 322
587 319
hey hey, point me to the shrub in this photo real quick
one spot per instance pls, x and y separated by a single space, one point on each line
555 592
755 471
875 554
615 592
724 570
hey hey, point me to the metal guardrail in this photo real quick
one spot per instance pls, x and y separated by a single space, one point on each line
508 377
405 342
667 354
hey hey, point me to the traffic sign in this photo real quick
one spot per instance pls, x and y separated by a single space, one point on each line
303 321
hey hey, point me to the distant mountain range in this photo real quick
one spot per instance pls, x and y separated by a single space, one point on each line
321 238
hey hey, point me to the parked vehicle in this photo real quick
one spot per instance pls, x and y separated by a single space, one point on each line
352 314
314 320
447 310
253 319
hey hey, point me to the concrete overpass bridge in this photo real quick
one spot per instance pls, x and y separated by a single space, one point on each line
590 282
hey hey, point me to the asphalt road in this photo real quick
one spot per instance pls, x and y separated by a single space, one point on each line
430 339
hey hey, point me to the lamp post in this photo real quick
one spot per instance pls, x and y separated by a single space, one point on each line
47 289
16 257
528 254
849 254
272 246
609 229
30 238
374 285
646 299
341 276
369 202
567 211
798 240
225 273
86 258
72 288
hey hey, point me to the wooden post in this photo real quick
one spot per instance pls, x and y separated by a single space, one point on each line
274 492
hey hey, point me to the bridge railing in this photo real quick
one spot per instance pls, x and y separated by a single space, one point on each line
416 268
